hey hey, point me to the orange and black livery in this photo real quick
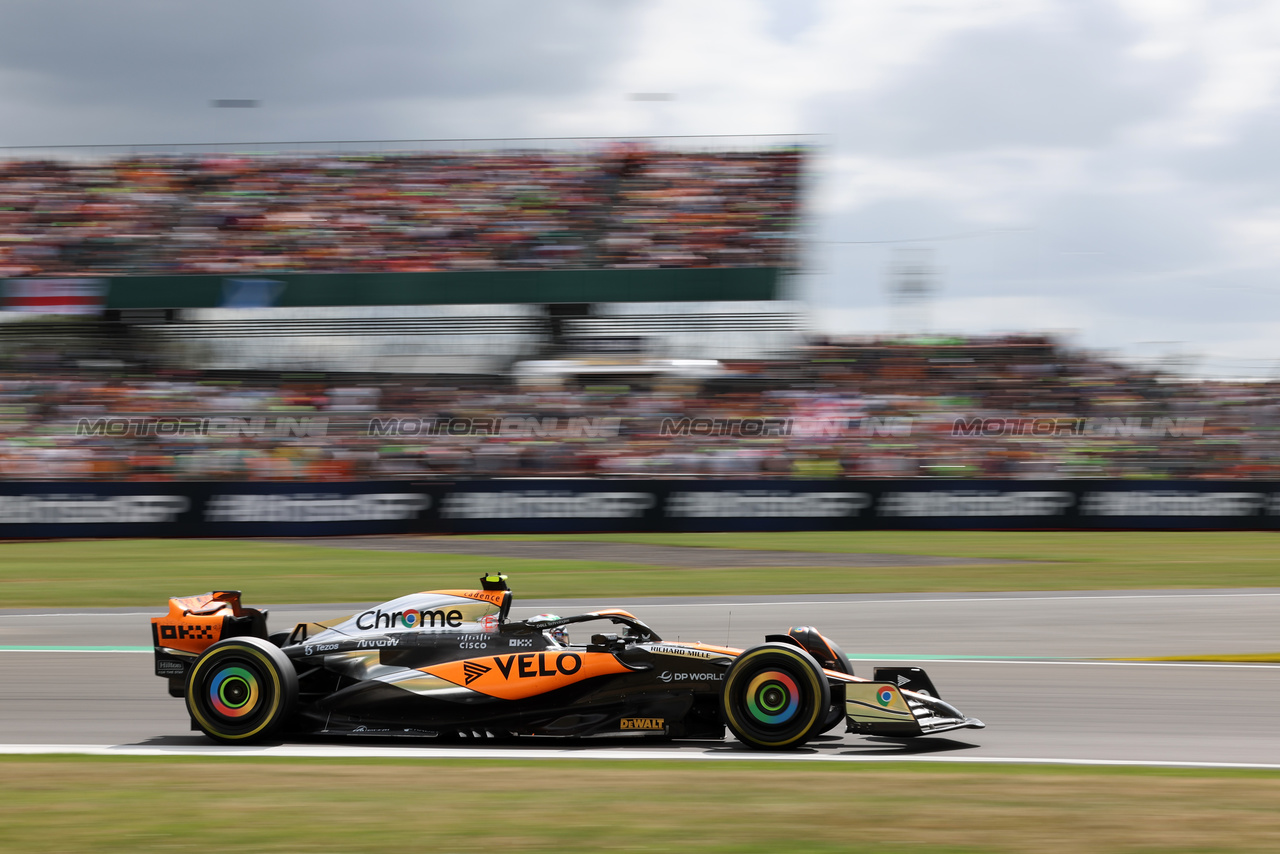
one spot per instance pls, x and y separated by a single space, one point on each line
452 664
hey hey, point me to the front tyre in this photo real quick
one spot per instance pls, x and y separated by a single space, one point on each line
775 696
241 690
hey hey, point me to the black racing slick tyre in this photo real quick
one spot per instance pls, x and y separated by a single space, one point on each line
775 697
241 690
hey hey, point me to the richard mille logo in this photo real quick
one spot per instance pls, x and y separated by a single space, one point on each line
474 670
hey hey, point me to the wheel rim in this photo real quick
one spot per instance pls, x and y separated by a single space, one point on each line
773 697
234 691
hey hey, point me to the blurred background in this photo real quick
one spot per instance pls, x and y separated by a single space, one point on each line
835 237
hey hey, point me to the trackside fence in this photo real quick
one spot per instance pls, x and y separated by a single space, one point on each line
39 509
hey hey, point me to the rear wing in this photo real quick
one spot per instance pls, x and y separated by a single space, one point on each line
193 624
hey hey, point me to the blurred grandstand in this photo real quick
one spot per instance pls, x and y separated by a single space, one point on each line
604 309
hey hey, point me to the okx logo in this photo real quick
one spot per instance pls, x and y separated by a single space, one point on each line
204 632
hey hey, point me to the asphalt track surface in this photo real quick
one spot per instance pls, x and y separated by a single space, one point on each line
1040 669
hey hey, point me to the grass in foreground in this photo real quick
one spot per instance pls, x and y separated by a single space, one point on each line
146 572
93 805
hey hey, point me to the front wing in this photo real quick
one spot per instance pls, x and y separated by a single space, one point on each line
882 708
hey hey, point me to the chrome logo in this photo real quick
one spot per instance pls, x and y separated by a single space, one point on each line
773 697
411 619
884 696
234 692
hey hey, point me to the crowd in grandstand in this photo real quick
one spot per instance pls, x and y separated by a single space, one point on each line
621 206
1021 407
1016 407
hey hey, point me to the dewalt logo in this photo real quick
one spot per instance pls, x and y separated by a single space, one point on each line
643 724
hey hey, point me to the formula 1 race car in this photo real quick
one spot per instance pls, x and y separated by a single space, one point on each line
448 663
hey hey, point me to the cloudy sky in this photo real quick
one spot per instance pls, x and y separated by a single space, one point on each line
1107 169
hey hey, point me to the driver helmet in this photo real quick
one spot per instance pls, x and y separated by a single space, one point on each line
556 634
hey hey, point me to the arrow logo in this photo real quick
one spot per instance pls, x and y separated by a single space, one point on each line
902 680
474 670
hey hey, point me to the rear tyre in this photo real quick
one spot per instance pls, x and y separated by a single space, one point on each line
241 690
775 697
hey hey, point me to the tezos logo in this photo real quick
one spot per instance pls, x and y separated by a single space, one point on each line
324 647
409 619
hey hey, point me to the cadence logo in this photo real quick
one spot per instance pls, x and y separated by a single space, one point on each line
410 618
528 664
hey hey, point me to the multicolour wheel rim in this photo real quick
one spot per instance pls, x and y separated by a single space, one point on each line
234 692
773 697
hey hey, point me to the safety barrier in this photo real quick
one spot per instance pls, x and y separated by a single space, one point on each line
289 509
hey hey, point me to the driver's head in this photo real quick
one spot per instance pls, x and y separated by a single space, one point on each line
555 634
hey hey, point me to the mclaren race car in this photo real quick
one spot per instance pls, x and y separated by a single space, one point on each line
449 663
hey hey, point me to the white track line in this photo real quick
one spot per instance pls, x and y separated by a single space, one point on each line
728 753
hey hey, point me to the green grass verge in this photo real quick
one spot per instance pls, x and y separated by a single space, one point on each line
237 805
1003 545
146 572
